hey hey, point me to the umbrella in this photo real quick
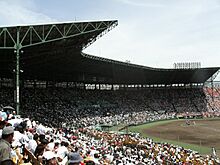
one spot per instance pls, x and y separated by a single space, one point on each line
8 108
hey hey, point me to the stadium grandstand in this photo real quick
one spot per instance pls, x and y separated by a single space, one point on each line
48 78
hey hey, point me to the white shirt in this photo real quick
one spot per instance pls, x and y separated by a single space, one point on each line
32 145
62 151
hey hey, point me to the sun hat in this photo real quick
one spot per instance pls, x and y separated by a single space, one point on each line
74 157
8 130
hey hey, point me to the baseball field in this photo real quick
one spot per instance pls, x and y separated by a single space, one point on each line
199 135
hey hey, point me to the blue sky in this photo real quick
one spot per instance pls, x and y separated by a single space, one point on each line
153 33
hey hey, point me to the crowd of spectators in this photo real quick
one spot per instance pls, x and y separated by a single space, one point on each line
213 99
34 141
63 104
58 125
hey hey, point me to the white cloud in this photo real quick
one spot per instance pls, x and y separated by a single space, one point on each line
20 12
181 31
142 3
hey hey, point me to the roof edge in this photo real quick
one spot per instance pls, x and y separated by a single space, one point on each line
136 65
56 23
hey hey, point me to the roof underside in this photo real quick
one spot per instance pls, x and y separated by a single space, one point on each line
54 53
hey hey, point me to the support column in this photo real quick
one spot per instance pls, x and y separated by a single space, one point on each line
17 82
17 72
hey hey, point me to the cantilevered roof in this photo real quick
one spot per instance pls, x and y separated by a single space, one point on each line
49 51
121 72
31 35
53 52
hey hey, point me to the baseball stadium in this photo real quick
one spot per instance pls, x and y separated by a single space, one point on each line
108 112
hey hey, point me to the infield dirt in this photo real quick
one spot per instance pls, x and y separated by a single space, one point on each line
199 132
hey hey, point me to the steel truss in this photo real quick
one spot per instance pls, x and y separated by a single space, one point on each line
20 37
